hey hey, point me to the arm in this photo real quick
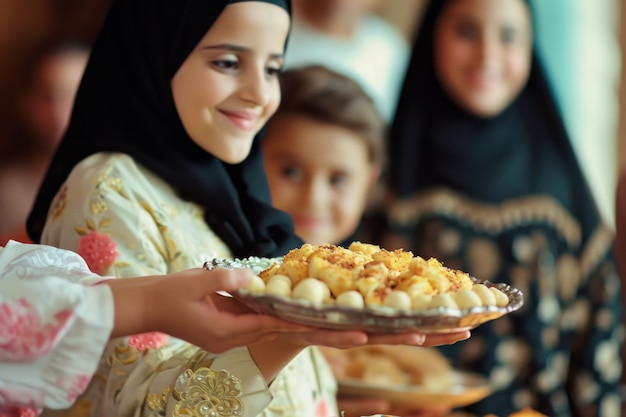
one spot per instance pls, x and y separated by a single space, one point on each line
47 313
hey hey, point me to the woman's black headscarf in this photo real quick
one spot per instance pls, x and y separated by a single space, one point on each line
125 104
523 151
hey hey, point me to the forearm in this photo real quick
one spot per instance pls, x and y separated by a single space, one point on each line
272 356
136 308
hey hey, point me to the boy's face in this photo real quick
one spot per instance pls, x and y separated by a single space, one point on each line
483 53
320 174
227 87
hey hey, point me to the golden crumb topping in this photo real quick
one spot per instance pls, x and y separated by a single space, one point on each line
380 277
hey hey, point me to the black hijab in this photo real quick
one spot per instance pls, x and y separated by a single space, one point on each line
523 151
125 104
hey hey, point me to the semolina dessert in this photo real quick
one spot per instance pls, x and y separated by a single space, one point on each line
364 275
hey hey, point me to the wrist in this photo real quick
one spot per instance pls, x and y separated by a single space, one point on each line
272 356
135 306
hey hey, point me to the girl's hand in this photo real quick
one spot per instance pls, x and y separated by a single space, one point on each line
186 305
344 339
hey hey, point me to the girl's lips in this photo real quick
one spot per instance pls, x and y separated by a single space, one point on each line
243 121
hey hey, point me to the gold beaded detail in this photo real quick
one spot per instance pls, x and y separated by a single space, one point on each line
208 393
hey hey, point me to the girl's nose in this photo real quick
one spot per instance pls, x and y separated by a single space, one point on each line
256 87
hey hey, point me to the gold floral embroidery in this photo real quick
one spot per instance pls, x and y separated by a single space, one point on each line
124 353
103 176
208 393
115 184
98 207
200 359
92 227
59 203
170 252
158 402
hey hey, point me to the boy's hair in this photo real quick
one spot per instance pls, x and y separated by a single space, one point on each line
324 95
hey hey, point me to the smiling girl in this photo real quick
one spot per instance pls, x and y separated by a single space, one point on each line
160 171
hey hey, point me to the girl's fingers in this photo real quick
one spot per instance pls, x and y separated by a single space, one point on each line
414 339
336 338
446 339
226 279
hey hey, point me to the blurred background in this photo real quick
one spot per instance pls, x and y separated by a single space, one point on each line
581 41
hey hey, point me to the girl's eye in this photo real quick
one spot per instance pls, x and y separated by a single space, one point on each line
227 64
274 71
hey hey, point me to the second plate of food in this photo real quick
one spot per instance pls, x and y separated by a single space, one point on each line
407 376
467 388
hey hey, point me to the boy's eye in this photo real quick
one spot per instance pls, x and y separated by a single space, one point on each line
291 172
337 180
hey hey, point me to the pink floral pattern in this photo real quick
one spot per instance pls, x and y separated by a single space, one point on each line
98 250
322 409
74 386
22 335
145 341
27 397
19 412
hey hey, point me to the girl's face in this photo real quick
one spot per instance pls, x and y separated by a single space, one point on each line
483 53
320 174
227 87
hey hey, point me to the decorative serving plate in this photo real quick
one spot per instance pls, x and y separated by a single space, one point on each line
373 319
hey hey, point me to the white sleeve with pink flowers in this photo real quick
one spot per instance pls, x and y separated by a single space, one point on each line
53 328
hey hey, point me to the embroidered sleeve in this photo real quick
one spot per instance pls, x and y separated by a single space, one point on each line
120 220
44 314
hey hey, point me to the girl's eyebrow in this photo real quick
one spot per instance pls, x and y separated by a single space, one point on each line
238 48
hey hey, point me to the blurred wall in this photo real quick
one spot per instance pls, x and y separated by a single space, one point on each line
403 14
622 93
27 27
579 44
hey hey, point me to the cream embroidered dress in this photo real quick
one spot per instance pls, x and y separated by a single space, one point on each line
126 221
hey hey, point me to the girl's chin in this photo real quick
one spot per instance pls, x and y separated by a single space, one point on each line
234 157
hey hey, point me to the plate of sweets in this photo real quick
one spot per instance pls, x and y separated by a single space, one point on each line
365 287
407 376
